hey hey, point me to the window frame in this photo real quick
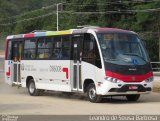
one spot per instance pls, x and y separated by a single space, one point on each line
40 39
9 51
27 39
52 39
95 46
12 43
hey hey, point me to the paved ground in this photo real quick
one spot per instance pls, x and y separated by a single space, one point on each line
17 101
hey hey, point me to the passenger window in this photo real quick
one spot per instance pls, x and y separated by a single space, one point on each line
9 50
66 47
30 49
90 51
57 48
61 48
44 48
97 55
15 52
88 54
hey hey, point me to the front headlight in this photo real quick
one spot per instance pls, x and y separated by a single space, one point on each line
114 80
149 79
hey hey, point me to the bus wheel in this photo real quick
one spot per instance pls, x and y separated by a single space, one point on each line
32 88
133 97
91 94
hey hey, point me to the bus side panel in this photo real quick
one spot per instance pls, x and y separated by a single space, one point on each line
47 74
8 73
90 71
7 65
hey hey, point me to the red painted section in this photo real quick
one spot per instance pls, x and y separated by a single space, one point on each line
28 35
129 78
111 30
9 72
66 71
6 49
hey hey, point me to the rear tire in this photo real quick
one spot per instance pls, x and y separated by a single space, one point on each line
91 94
32 89
133 97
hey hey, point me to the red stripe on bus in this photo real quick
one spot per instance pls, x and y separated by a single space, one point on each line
9 72
66 71
129 78
28 35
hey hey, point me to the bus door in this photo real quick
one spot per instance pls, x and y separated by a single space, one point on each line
17 50
77 58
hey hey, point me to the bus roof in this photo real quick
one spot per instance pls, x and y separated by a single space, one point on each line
66 32
39 34
113 30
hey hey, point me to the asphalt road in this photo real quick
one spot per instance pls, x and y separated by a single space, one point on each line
17 101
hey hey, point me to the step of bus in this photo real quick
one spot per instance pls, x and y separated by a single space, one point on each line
16 84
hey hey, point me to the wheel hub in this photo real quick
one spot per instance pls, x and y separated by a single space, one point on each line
32 87
92 93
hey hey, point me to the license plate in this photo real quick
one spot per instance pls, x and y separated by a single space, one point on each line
133 87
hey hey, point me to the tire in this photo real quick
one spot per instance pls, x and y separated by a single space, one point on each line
91 94
133 97
32 89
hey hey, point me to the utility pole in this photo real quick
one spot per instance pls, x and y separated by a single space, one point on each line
158 34
57 15
159 39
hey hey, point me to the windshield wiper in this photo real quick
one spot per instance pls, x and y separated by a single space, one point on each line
109 59
132 54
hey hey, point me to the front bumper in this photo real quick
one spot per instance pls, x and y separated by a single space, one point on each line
125 88
109 88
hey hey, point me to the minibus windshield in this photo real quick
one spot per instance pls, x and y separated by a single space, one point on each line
122 48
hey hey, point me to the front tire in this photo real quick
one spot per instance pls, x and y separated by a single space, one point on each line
132 97
32 89
91 94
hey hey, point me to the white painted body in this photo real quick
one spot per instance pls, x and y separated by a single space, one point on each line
106 86
48 80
